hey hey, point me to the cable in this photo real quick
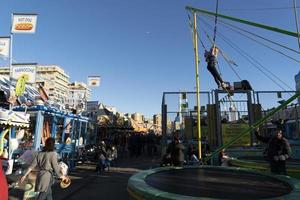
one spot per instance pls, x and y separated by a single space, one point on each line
191 28
283 54
246 56
296 19
216 21
256 35
258 9
261 64
228 62
258 62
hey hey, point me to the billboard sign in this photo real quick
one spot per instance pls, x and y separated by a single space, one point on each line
27 70
94 81
4 47
23 23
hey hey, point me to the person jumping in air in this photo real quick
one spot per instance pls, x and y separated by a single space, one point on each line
211 59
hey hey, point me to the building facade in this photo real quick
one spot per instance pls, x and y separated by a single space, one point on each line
78 95
157 120
53 78
138 117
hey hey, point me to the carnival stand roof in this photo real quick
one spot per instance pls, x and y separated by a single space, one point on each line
52 111
30 93
13 118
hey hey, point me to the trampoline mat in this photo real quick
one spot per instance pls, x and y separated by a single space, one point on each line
290 161
214 183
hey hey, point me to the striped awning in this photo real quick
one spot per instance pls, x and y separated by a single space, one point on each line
13 118
30 92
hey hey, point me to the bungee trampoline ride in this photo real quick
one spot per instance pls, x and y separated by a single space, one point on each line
212 182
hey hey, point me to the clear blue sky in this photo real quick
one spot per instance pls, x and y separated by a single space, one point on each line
141 48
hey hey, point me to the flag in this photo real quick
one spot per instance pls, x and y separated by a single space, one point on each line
94 81
4 47
23 23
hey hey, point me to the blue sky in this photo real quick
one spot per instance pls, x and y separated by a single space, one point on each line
141 48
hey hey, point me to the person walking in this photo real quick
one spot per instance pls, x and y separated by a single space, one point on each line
278 150
46 163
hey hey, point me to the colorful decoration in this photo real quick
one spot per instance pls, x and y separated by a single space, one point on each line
21 84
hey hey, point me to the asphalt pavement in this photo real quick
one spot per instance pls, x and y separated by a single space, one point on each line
110 185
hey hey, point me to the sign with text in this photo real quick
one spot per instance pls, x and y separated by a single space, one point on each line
229 131
94 81
23 23
27 70
4 47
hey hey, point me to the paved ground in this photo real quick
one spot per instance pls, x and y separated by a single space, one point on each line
88 185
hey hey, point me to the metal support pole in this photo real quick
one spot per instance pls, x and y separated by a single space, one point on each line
218 120
79 133
10 93
250 114
53 127
197 84
73 130
38 130
85 133
164 122
64 130
95 129
297 121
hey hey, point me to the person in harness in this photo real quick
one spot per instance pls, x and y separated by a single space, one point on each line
211 59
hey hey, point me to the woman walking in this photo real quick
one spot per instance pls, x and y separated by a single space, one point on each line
46 163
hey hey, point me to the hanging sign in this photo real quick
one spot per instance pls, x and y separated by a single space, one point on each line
4 47
23 23
27 71
94 81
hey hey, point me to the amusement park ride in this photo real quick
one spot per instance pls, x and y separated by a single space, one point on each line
226 123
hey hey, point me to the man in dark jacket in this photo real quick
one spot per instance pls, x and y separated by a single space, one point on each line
277 152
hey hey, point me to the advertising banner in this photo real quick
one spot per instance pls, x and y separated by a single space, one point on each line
94 81
4 47
26 70
23 23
